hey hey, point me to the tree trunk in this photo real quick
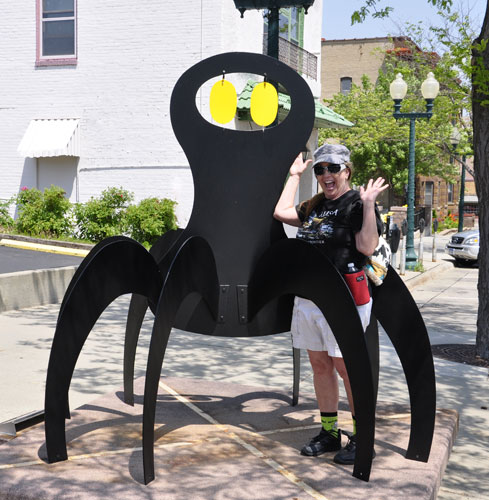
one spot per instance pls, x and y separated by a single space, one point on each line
481 168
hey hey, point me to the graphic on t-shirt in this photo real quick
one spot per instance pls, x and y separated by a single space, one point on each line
317 228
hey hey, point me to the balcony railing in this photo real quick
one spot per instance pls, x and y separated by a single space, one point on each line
294 56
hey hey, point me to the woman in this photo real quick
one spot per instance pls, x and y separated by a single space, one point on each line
345 225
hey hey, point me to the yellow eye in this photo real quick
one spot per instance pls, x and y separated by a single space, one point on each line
264 104
223 101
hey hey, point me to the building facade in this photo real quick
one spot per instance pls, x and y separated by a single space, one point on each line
86 86
344 62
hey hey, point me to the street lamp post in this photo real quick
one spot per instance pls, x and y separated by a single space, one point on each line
455 140
461 201
398 90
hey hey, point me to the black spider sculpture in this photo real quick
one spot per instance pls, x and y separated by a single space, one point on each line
233 272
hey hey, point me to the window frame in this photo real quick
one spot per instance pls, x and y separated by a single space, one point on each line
346 79
287 13
450 193
55 60
429 185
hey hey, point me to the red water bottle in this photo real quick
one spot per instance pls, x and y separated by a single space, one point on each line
358 285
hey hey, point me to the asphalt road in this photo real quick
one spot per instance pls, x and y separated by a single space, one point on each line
14 260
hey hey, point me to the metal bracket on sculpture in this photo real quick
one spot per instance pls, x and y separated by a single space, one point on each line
223 302
242 297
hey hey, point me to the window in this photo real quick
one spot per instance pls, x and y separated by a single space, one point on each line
291 25
56 27
450 193
428 194
345 85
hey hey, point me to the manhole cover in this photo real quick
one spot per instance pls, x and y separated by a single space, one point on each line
460 353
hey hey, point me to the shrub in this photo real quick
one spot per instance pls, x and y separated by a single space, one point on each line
152 217
449 222
105 216
43 213
6 222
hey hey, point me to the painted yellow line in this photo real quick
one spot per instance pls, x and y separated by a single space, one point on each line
26 245
247 446
341 423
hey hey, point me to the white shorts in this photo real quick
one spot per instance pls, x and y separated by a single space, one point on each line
311 331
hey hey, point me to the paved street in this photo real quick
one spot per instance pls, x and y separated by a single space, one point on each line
448 304
15 259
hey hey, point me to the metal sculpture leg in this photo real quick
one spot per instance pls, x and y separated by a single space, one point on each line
296 355
398 313
193 270
115 267
372 340
135 316
285 269
137 310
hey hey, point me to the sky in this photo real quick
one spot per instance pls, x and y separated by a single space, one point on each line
337 17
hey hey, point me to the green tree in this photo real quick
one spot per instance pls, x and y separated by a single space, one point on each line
378 142
478 70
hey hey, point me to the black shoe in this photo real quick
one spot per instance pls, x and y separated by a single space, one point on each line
346 456
323 442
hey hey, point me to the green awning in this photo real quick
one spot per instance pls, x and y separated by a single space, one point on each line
325 117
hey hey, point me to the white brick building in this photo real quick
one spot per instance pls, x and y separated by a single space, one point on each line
117 64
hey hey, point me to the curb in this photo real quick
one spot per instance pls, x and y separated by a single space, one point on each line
51 246
41 241
27 245
427 275
34 288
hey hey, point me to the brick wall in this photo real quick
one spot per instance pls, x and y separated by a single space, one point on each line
350 58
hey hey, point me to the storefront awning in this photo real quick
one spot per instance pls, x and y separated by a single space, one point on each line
56 137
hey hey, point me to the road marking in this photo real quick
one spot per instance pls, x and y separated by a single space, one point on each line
290 476
26 245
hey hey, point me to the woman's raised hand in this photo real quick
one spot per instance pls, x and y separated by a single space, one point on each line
373 189
299 165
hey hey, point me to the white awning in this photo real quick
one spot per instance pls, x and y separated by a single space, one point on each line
471 198
57 137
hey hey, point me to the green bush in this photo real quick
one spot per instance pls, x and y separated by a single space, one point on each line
6 222
104 216
43 213
449 222
152 217
51 215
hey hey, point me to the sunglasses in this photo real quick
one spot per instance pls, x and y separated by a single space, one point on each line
334 168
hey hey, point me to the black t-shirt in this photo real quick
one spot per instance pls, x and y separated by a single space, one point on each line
331 226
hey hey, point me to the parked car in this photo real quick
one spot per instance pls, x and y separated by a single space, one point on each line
464 246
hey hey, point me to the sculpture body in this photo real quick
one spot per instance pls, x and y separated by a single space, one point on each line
233 272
